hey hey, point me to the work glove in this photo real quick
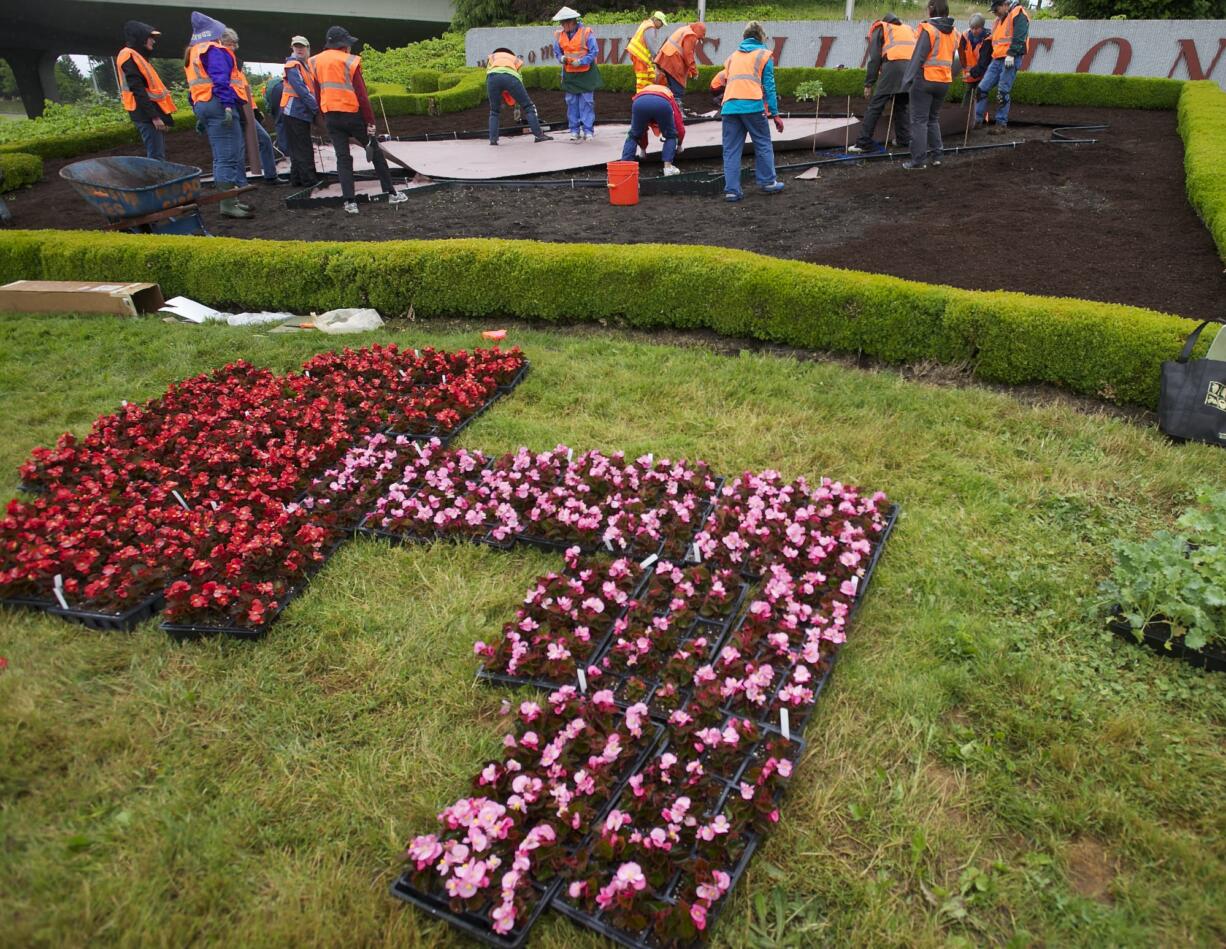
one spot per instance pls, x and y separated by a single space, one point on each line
779 124
1009 62
259 116
868 92
200 127
229 117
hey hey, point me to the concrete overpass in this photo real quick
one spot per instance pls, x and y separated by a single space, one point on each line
34 33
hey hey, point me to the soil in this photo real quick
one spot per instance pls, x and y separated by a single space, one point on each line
1108 221
1090 871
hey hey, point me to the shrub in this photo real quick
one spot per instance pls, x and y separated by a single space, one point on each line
1202 124
398 64
20 170
1105 350
84 141
451 92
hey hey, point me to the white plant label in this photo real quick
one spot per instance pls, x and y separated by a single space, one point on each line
648 561
695 553
59 591
608 543
582 680
570 455
179 498
785 724
417 448
216 506
416 354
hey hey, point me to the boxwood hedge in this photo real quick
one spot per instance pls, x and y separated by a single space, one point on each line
1202 124
1109 351
19 170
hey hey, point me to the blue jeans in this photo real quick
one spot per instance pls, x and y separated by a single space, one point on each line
268 157
735 128
581 111
226 142
678 88
496 83
1001 79
646 111
155 141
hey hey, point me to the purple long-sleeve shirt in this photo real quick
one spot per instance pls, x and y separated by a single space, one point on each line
219 64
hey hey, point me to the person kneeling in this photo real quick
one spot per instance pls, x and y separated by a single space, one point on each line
655 107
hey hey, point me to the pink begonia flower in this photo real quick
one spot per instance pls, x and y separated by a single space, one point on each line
616 821
631 874
529 711
603 700
530 740
722 880
424 850
576 889
708 892
785 768
699 915
489 773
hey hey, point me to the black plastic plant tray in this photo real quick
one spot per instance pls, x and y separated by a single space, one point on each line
473 924
113 622
878 550
31 488
1157 637
644 938
32 603
517 378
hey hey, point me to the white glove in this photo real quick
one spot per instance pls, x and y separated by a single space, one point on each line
1009 62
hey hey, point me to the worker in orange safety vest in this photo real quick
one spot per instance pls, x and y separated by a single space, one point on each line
655 107
749 100
890 45
975 55
640 52
210 70
929 75
575 48
677 60
503 86
1010 44
143 93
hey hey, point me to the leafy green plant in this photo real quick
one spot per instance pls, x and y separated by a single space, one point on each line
19 169
1202 124
1176 578
811 91
398 64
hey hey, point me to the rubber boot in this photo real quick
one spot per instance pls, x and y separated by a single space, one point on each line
232 207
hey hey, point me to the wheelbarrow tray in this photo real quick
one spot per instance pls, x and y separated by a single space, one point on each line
125 186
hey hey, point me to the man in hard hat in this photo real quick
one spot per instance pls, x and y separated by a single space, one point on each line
890 45
655 107
1010 44
503 85
640 52
676 61
575 48
143 93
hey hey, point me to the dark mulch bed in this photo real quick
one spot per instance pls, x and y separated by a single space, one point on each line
1106 222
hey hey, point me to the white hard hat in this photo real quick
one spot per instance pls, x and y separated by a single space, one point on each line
566 13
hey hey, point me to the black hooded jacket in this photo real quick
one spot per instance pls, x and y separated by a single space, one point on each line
135 35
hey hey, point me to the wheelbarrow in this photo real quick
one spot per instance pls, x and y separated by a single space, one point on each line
143 195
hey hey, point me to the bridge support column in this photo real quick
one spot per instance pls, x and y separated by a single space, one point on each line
34 70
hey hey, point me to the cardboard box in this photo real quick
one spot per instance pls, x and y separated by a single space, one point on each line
74 296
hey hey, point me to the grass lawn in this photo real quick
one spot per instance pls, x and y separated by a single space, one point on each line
988 765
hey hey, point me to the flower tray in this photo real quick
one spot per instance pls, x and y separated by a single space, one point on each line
476 925
878 550
1157 636
113 622
31 488
645 939
798 715
517 379
33 603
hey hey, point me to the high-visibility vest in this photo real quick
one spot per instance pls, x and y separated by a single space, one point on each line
501 60
199 84
898 41
939 64
744 75
153 82
308 76
574 46
674 58
655 89
239 83
1002 33
971 57
334 71
640 55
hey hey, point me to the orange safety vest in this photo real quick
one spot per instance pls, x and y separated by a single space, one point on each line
898 41
153 82
503 61
308 76
971 59
744 75
1002 33
939 65
334 71
239 83
674 58
655 89
574 46
199 85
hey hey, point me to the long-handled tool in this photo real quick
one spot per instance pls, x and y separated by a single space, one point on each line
847 127
386 125
970 108
252 140
889 125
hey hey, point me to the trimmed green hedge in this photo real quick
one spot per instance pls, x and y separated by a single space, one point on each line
1113 352
1202 124
451 92
20 170
72 144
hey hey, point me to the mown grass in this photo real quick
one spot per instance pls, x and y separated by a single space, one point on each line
988 765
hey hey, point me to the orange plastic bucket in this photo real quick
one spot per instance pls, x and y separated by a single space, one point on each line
623 182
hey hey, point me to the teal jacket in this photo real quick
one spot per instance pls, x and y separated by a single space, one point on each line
746 106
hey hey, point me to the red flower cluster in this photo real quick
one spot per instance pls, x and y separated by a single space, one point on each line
192 492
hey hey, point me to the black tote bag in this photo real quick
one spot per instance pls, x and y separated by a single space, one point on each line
1192 403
